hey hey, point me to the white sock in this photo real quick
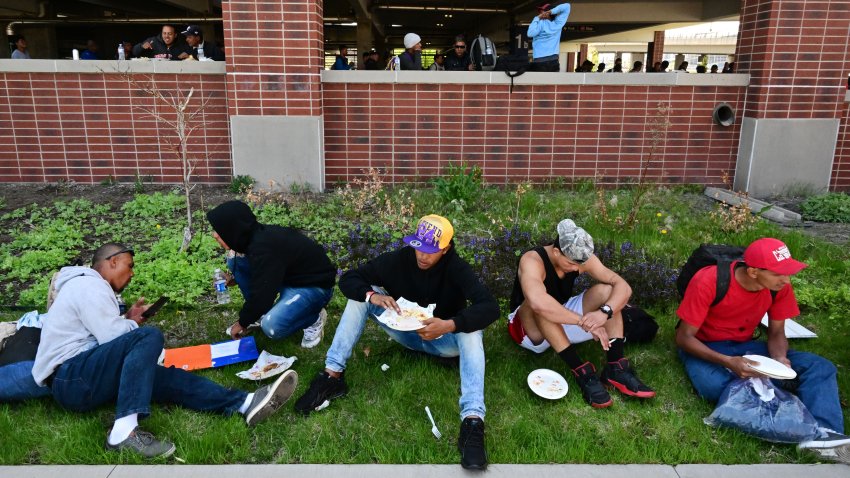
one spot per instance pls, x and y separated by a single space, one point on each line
122 428
244 408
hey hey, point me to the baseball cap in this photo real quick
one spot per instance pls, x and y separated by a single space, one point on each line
544 7
773 255
192 30
574 241
432 234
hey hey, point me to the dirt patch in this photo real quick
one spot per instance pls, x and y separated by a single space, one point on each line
20 195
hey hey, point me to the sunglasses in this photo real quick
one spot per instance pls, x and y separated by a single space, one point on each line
122 251
462 47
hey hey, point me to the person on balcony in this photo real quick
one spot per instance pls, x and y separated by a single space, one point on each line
411 57
545 33
166 46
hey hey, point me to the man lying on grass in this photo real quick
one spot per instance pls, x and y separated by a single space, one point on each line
90 355
427 271
547 314
713 338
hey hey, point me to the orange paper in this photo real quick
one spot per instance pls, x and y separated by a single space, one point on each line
189 358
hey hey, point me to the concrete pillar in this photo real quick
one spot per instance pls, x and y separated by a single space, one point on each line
571 62
365 39
582 53
274 90
678 61
792 116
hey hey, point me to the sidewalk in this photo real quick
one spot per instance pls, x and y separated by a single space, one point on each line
428 471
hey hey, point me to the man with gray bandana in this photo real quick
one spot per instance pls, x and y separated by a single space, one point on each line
546 313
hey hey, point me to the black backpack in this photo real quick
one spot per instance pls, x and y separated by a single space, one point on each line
513 65
706 255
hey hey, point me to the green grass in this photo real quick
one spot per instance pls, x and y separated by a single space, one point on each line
382 419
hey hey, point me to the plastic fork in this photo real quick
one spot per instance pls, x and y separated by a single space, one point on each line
434 428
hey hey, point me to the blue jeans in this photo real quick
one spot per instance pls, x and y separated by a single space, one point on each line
124 370
469 346
16 383
818 388
296 308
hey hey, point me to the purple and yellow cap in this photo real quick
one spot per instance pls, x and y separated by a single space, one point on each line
432 234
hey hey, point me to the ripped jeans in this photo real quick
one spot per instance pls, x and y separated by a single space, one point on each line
296 308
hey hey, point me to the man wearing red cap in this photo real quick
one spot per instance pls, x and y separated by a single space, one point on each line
712 339
545 33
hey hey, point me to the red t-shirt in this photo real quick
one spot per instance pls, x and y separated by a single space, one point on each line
740 311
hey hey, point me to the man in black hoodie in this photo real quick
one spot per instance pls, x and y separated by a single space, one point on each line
167 46
274 261
427 272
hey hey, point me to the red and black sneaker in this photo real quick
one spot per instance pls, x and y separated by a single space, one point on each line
592 391
621 376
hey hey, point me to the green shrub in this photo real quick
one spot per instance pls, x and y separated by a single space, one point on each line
241 184
460 183
830 207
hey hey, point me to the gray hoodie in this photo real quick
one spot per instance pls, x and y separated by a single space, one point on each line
84 315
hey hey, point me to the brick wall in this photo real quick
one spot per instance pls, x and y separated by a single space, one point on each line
274 57
797 55
537 132
88 127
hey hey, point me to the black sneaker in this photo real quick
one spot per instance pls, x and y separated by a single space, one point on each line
470 443
144 444
323 389
591 389
620 375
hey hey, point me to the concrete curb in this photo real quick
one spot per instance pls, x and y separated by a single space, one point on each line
775 213
428 471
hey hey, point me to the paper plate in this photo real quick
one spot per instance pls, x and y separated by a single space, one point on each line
548 384
771 368
411 316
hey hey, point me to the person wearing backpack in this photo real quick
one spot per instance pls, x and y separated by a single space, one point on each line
547 313
545 33
717 326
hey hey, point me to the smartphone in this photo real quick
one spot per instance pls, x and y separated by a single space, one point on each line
154 308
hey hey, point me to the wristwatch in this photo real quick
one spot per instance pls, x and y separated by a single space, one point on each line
607 310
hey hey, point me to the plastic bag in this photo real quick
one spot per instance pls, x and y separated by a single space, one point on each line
754 406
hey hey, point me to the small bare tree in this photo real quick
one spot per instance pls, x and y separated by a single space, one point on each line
183 122
658 126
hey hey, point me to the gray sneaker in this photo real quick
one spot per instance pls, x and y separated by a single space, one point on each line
268 399
313 334
143 443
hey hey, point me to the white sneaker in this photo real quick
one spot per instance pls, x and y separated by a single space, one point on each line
827 439
839 454
313 334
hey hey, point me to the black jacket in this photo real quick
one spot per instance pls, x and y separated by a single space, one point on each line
410 61
451 284
456 63
211 50
278 256
160 50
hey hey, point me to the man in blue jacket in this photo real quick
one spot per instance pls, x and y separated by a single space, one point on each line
545 34
427 271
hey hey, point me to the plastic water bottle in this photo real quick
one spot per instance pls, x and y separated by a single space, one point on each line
396 63
75 54
201 56
222 295
121 52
